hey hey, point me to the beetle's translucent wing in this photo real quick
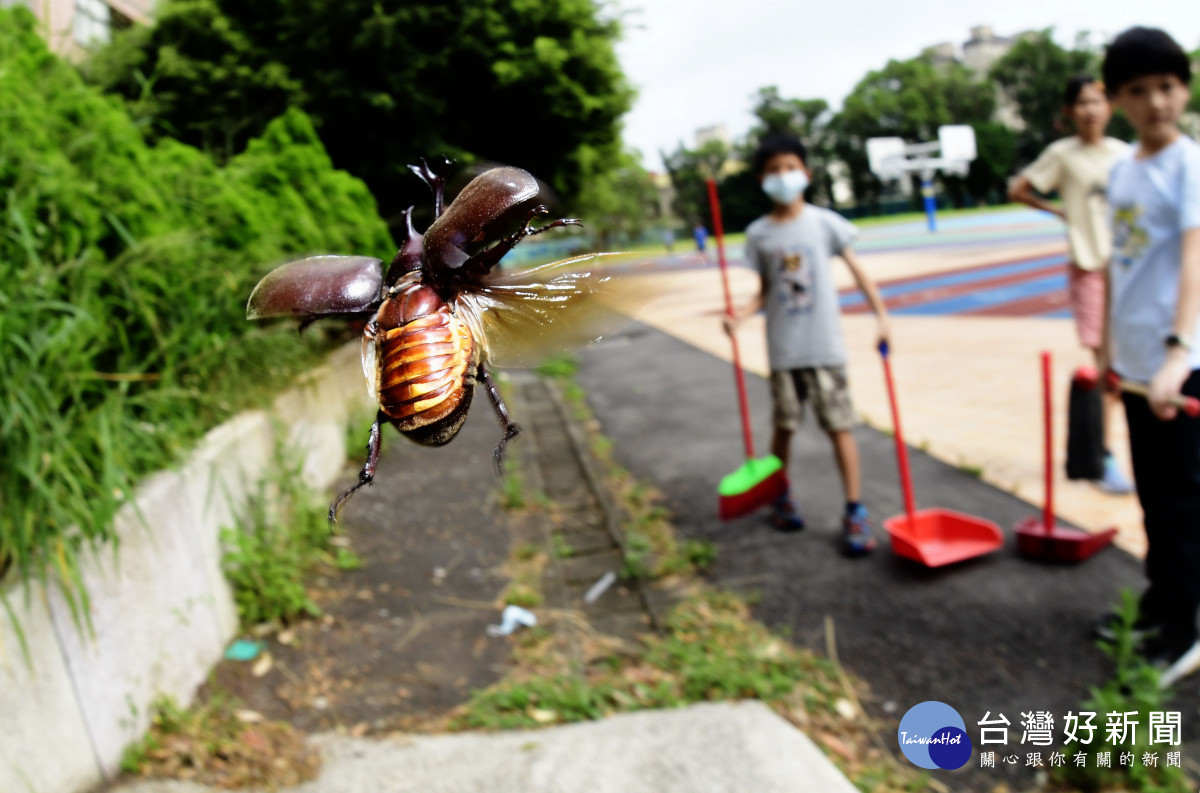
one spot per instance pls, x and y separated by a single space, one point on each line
318 286
522 318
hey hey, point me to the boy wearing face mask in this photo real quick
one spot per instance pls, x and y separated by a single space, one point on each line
791 248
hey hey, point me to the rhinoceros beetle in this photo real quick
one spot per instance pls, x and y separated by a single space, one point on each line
441 312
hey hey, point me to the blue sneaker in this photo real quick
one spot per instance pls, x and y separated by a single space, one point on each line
785 516
1114 482
856 533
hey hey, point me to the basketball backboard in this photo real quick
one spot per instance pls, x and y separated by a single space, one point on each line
886 157
957 142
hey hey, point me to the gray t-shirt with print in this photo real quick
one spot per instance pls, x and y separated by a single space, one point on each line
793 258
1153 201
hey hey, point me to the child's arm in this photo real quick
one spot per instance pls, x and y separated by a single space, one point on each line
870 292
1175 369
1022 190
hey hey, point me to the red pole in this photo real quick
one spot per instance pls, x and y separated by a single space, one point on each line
743 402
1048 418
901 450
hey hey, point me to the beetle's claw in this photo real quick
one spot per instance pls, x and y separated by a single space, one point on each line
363 479
538 211
556 224
510 432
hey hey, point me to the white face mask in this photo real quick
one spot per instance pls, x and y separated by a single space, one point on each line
784 188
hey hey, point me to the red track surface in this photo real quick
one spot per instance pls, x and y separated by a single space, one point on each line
920 296
1029 306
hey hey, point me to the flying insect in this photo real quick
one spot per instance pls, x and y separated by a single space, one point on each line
442 312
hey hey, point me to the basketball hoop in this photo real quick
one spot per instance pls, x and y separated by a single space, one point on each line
892 158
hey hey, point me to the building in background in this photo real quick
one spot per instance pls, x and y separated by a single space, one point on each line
713 132
984 48
71 27
979 54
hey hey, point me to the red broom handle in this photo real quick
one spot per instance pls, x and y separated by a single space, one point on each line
1047 419
743 402
901 450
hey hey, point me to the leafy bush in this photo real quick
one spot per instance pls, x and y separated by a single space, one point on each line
124 271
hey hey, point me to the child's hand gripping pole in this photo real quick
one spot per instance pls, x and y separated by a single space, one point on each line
1089 378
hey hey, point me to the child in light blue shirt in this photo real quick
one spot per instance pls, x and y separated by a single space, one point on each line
1153 330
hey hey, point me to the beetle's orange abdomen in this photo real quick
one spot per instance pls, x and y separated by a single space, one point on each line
426 357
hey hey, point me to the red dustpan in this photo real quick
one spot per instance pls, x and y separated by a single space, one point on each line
1044 538
933 537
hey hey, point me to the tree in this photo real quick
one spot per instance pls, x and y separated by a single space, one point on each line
987 179
526 83
1194 104
123 332
1033 75
619 202
907 99
689 170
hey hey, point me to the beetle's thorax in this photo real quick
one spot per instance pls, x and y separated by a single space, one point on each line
426 359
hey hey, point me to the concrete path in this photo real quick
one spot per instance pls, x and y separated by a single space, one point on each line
711 748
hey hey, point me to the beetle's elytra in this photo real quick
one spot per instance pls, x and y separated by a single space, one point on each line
435 317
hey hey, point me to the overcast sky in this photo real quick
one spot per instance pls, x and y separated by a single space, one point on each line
698 62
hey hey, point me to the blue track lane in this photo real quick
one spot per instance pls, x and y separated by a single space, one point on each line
956 278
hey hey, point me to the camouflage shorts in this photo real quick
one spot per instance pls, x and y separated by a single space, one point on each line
824 386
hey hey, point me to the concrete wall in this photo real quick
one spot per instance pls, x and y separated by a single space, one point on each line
161 611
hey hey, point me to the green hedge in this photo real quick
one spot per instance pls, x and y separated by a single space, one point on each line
124 273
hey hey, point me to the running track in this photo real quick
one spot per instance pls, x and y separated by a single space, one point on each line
1029 287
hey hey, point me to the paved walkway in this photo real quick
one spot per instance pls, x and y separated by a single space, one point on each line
404 639
997 634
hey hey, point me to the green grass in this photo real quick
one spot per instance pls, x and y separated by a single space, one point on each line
711 650
283 538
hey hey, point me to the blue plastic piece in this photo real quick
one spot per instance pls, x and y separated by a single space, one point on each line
243 650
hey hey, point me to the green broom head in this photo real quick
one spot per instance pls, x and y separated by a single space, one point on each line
755 485
752 474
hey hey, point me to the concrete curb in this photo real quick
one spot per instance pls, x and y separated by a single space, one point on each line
706 748
162 611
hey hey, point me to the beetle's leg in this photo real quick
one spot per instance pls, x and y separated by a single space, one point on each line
436 183
506 423
484 261
367 475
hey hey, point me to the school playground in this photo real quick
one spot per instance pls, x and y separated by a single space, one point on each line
973 305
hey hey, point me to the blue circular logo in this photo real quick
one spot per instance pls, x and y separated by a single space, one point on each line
933 735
